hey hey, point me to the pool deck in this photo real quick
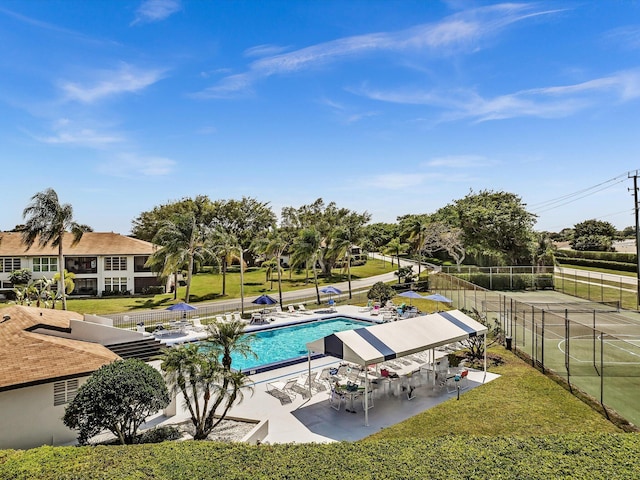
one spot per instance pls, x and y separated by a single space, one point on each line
313 420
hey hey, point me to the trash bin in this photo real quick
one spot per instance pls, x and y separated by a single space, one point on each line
508 342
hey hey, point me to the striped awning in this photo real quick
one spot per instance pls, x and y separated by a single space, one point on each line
386 341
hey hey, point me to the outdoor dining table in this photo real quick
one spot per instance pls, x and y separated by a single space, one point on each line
351 394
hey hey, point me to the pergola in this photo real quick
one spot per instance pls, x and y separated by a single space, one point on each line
371 345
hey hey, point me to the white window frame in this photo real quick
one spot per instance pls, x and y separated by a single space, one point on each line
14 263
65 391
45 264
112 284
115 264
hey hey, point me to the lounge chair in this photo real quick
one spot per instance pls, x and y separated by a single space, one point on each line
332 306
283 390
228 317
256 319
197 325
219 319
236 317
292 311
303 309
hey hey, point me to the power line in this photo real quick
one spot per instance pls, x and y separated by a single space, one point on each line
574 197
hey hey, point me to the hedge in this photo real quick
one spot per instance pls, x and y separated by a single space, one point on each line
606 264
505 281
585 456
607 256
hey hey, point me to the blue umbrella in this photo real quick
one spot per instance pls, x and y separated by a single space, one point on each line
436 297
264 300
331 290
410 295
181 307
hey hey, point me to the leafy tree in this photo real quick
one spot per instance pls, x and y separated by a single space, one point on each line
495 225
381 292
628 232
20 277
593 235
118 397
406 274
246 219
146 225
377 235
544 251
47 221
306 250
205 378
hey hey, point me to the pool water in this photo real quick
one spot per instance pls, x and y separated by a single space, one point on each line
281 344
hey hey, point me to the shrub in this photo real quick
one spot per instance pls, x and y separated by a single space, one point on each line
161 434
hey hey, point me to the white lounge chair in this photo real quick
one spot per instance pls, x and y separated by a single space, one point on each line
228 317
197 325
236 316
292 311
219 319
283 390
303 309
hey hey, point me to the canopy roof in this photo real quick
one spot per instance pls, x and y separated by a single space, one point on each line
385 341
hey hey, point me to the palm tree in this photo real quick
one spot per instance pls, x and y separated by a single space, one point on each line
396 247
47 221
183 240
274 245
205 377
306 249
418 230
345 237
226 247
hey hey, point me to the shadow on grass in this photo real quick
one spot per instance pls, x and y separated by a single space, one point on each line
204 298
149 303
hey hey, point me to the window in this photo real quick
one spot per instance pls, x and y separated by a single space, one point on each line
115 263
139 264
115 284
45 264
64 392
8 264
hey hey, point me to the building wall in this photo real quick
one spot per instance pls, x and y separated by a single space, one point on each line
28 418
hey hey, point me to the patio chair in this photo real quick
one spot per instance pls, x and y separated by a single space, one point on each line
256 319
219 319
236 317
228 317
197 325
301 385
282 390
336 399
332 306
292 311
303 309
368 398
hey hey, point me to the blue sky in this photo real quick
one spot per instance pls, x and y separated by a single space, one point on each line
392 107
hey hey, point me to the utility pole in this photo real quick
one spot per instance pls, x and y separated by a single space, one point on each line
635 209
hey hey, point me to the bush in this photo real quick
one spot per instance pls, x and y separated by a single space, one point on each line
115 293
153 290
161 434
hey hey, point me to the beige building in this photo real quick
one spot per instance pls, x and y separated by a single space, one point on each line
101 261
40 373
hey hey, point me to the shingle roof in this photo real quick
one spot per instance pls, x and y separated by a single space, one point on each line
28 358
91 243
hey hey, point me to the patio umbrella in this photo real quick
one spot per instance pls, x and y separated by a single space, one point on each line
264 300
436 297
410 295
181 307
331 291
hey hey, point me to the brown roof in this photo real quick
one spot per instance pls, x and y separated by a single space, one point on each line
91 243
29 358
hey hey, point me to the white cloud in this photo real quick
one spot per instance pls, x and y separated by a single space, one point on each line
547 102
67 132
461 31
264 50
151 11
627 37
106 83
131 166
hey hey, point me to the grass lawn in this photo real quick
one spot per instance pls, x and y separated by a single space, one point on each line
207 287
521 402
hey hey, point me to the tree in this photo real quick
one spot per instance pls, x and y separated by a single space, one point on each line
406 274
274 245
227 248
204 375
381 292
20 277
183 241
306 250
495 226
47 221
395 247
593 235
418 230
118 397
346 236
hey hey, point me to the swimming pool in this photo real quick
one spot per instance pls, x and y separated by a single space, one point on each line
288 345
